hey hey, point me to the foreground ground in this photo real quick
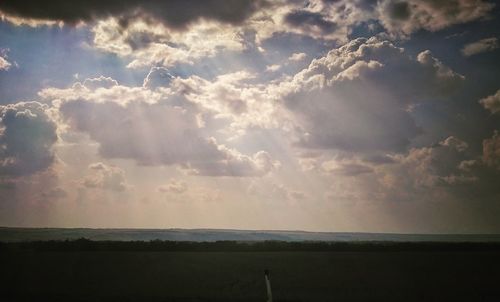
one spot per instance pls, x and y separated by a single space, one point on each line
378 275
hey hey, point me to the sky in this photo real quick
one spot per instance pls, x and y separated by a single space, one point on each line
319 115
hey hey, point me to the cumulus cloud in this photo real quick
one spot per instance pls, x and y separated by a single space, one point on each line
158 77
309 21
427 166
232 96
154 32
346 167
36 189
147 45
176 14
455 143
332 112
153 128
480 46
287 193
491 150
378 159
4 64
335 20
100 82
275 191
492 102
442 80
235 164
406 17
330 20
174 186
298 56
106 177
151 134
419 174
55 194
101 91
273 67
227 97
441 172
27 137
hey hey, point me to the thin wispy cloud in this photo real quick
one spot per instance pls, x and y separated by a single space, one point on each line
483 45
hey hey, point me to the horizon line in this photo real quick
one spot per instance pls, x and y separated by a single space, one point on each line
250 230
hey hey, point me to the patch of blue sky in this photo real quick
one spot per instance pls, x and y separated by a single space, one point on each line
57 57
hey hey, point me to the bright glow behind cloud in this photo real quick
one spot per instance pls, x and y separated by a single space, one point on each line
318 115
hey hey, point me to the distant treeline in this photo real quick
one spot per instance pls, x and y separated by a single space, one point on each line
83 244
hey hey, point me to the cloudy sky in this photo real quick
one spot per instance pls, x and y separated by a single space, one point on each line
321 115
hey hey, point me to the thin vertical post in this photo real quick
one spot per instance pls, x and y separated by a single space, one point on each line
268 286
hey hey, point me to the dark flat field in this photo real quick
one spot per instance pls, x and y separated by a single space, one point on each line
437 274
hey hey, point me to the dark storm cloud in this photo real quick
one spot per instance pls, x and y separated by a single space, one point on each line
399 10
334 112
174 13
406 17
141 40
306 19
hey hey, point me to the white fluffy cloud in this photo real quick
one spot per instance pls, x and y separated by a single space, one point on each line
4 64
232 96
100 82
480 46
106 177
137 32
160 127
157 77
147 45
273 67
101 90
298 56
156 134
27 136
174 186
147 39
235 164
492 102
